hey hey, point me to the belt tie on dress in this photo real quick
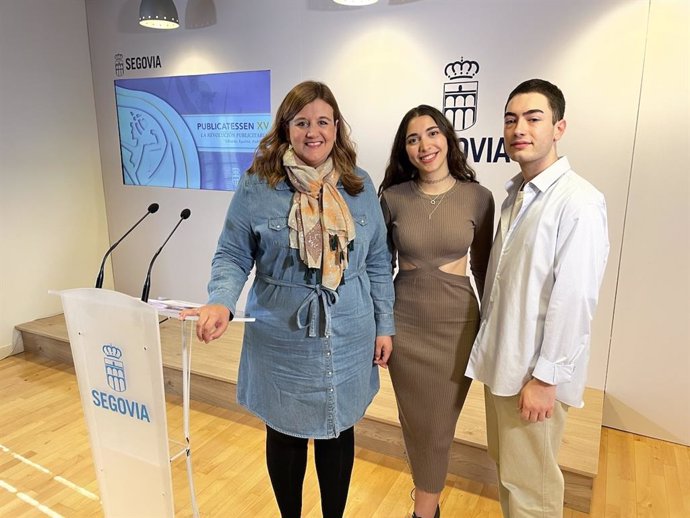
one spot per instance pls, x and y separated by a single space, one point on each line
308 311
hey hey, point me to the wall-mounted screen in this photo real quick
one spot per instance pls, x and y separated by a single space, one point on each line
191 132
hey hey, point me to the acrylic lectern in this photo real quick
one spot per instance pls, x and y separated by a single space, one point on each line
116 347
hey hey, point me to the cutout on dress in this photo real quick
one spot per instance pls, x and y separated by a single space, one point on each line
405 265
457 267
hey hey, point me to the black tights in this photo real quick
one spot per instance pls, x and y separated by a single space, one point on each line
286 457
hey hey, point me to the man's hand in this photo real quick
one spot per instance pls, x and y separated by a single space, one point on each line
536 400
212 323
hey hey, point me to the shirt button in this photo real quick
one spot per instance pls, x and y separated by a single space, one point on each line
330 373
330 390
328 353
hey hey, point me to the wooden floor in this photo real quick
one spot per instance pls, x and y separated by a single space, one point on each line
214 377
46 467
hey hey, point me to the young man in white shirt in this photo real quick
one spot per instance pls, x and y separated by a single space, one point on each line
542 285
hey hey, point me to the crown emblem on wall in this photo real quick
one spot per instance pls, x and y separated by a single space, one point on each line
112 352
463 69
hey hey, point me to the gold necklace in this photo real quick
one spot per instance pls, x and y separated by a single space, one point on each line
435 201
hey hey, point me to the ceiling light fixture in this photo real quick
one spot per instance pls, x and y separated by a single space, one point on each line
355 2
158 14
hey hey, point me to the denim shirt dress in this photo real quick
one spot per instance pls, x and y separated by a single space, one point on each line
306 366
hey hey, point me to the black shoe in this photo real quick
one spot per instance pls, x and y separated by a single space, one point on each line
437 515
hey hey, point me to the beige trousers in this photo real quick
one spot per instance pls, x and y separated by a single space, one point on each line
530 483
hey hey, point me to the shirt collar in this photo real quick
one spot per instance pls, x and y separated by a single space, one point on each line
543 180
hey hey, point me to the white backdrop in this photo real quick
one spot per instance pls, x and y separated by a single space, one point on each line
380 61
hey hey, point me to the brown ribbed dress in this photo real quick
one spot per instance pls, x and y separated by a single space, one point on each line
436 314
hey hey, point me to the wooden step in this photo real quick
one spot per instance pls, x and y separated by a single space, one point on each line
214 377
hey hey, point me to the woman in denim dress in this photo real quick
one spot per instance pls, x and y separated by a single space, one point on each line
309 220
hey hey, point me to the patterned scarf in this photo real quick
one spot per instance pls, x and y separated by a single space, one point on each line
321 231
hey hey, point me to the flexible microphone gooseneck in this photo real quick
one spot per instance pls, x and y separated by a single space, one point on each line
99 280
147 283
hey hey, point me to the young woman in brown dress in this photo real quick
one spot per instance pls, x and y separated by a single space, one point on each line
436 212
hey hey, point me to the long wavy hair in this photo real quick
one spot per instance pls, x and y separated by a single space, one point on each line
268 159
400 169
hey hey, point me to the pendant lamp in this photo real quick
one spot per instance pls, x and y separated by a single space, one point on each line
158 14
355 2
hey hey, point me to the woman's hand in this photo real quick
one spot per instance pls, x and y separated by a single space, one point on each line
212 323
383 350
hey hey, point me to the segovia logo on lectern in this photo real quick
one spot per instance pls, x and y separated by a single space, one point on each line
115 376
460 95
114 368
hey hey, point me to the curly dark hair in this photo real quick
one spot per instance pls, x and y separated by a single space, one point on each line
400 169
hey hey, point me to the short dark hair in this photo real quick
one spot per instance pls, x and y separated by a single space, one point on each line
549 90
400 169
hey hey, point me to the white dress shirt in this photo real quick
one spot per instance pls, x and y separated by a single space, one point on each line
542 286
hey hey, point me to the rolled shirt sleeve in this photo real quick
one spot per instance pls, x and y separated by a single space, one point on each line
580 259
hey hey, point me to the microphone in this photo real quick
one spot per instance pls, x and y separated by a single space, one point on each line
99 280
147 283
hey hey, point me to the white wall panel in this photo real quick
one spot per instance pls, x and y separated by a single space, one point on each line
380 61
52 211
648 384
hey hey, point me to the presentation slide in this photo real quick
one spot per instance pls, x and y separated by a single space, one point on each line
192 132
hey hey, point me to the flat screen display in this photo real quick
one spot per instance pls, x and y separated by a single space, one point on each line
191 132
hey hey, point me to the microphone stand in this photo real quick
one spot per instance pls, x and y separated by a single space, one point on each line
99 280
147 283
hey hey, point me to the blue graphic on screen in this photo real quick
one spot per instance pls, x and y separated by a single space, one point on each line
193 132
